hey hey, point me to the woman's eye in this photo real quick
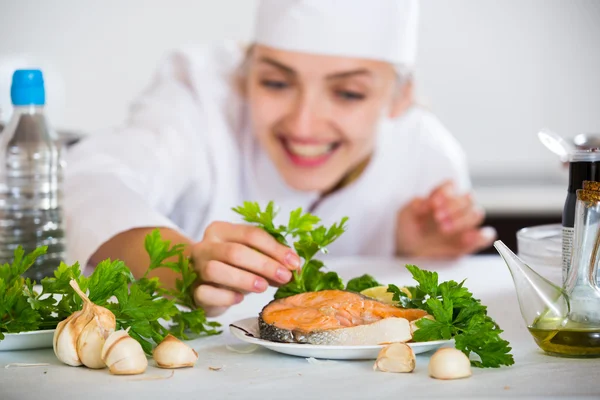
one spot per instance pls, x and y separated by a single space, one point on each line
273 84
349 95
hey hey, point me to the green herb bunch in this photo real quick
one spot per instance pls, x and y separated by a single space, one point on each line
458 315
140 305
307 239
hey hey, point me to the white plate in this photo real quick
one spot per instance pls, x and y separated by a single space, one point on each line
27 340
249 327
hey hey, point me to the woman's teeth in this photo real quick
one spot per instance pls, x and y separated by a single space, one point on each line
310 150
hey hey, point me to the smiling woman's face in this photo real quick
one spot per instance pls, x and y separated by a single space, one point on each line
316 116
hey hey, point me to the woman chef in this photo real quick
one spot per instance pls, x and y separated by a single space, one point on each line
318 113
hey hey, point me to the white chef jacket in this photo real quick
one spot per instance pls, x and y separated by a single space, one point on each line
186 156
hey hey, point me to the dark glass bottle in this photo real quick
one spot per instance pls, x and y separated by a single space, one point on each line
584 165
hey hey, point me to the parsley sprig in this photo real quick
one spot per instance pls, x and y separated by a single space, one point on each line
141 305
458 315
308 240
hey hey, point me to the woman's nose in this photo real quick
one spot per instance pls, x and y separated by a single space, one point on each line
305 116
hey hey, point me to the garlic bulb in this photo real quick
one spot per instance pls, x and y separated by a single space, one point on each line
123 354
65 337
449 363
173 353
79 338
397 357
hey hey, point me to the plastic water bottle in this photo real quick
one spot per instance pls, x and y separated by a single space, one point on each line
31 172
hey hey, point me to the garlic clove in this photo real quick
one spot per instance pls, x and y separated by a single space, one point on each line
111 340
396 357
92 339
134 364
449 363
123 354
173 353
65 337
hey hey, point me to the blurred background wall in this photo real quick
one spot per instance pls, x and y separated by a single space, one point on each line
495 71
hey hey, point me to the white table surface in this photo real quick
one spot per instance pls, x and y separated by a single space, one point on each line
264 374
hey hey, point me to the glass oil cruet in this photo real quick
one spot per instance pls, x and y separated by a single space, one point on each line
565 321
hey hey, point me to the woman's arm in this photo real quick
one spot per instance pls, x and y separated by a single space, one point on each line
129 247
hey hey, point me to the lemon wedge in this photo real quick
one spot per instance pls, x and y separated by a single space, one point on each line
380 293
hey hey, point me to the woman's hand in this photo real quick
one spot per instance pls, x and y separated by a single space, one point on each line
443 225
235 259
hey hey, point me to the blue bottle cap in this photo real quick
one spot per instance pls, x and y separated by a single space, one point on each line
28 88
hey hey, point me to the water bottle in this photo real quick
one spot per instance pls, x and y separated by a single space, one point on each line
31 173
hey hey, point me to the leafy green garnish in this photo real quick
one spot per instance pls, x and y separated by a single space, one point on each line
192 319
457 315
307 241
361 283
19 304
140 311
140 304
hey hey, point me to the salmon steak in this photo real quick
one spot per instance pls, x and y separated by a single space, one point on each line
335 317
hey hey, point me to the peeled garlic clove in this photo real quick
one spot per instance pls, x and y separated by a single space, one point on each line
413 324
173 353
397 357
65 337
92 339
123 354
449 363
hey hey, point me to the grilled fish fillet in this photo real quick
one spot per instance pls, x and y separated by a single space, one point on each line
335 317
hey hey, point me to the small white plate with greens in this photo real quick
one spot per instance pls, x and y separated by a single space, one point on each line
27 340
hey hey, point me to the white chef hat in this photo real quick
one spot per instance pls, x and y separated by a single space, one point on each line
384 30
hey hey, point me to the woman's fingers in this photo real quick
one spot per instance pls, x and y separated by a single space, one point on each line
469 219
215 300
255 238
245 258
231 277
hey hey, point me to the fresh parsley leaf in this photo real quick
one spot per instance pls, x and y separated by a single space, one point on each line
108 276
361 283
59 284
160 251
308 240
299 222
16 313
252 213
306 247
427 280
441 310
293 287
432 330
482 337
44 305
193 321
402 298
185 285
140 312
315 280
457 315
9 273
161 254
328 281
